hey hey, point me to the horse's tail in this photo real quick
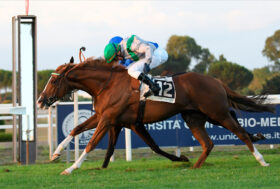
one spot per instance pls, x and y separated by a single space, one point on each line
249 104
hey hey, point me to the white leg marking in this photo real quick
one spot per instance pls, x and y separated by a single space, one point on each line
63 144
259 157
78 163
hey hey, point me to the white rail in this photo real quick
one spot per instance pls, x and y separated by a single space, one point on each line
45 125
5 109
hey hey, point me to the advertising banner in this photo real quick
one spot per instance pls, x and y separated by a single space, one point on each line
174 131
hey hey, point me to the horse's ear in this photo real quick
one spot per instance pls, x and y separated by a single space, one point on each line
72 60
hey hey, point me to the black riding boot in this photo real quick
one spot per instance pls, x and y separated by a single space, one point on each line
153 86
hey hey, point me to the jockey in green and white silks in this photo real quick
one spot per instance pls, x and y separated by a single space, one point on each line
141 52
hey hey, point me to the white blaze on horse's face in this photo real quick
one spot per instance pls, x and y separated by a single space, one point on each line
48 96
40 99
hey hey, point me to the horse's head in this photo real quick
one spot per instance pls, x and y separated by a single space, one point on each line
57 86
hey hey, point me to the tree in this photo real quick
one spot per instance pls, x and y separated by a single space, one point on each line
260 77
43 77
5 79
205 59
272 86
5 83
272 49
181 50
234 75
222 58
183 47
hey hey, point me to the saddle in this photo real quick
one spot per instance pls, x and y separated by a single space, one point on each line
166 94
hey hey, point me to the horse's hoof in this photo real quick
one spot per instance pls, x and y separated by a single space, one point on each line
55 157
265 164
65 173
184 158
260 136
195 167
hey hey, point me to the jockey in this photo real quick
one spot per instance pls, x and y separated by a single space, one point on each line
140 52
124 62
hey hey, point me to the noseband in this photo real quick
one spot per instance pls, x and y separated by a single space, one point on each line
55 73
54 98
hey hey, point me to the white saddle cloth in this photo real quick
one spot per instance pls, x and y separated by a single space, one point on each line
167 92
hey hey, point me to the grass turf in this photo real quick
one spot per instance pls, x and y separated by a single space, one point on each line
221 170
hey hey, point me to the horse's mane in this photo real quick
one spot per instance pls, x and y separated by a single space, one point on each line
100 63
89 63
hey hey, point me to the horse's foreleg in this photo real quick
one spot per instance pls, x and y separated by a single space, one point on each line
231 125
113 137
144 135
60 148
99 133
87 125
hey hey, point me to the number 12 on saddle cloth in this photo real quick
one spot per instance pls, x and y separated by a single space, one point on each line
167 91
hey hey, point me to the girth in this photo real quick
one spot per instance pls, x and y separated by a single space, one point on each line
141 111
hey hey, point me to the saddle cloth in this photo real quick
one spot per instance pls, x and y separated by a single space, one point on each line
167 92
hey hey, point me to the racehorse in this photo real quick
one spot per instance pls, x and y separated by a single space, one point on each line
199 98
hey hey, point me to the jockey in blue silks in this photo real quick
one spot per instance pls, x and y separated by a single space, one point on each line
134 53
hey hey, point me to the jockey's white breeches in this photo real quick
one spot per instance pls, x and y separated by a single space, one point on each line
136 68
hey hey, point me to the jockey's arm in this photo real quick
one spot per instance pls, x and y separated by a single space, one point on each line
147 50
141 47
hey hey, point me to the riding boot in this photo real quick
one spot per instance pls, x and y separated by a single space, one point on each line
153 86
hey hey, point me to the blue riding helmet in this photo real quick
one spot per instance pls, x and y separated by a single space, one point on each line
116 39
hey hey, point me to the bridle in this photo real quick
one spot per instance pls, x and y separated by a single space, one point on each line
55 98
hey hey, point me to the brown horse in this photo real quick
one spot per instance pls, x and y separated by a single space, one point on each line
116 101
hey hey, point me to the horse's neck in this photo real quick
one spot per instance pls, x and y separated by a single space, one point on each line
90 81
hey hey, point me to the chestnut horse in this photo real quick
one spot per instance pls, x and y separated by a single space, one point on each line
199 98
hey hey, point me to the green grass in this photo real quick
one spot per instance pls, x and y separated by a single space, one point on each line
5 137
221 170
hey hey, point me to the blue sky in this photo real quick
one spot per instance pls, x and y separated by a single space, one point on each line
237 29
